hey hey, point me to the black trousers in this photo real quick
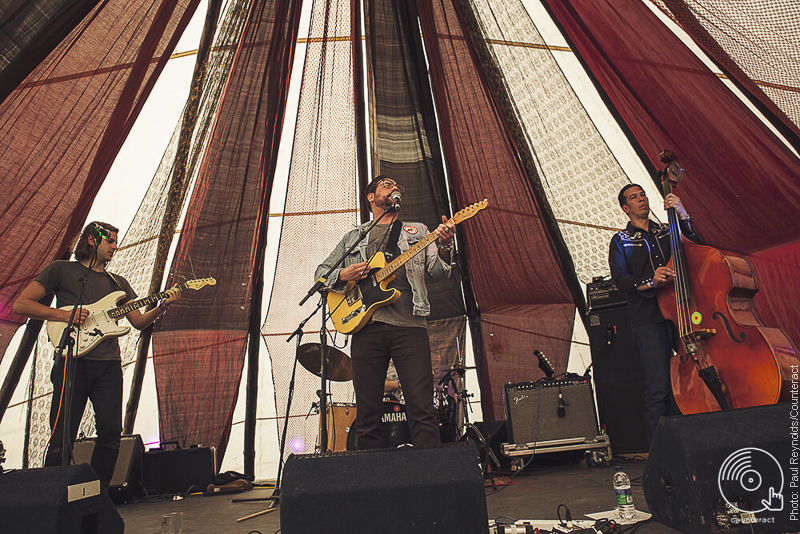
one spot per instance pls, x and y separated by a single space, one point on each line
100 382
655 344
410 350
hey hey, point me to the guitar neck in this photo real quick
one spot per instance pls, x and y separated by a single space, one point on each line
123 310
398 262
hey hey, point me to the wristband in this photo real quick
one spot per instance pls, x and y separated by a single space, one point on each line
162 307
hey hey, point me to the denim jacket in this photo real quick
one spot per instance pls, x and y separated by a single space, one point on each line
425 261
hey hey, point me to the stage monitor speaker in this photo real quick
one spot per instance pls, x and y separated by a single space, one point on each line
391 491
126 482
729 472
618 380
57 500
538 412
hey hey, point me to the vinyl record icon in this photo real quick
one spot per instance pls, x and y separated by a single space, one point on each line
753 476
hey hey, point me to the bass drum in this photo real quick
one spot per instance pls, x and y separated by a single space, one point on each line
339 419
396 431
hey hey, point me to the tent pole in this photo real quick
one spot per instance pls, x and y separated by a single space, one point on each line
18 363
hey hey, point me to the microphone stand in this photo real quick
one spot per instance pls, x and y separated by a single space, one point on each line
67 342
321 288
276 493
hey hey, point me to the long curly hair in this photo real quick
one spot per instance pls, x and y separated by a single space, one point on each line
81 247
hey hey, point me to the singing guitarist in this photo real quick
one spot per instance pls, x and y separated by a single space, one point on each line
98 373
396 331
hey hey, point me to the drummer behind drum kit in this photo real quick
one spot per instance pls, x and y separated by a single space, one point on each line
451 406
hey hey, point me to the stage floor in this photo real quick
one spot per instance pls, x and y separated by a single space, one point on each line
534 493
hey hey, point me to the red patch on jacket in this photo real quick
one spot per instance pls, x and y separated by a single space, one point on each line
410 230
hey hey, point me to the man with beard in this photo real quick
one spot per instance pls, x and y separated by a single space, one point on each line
396 331
97 373
638 257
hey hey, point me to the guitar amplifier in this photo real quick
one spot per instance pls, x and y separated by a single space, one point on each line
550 410
602 294
171 471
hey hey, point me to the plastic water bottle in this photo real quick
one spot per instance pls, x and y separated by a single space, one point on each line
622 488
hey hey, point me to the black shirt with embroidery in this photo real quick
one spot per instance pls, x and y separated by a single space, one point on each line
634 255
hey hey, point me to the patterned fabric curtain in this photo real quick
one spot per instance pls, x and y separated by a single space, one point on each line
516 276
741 182
321 206
198 353
755 43
30 30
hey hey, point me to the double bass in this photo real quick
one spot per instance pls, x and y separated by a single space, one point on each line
727 357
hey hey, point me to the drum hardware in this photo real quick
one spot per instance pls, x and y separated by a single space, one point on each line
338 364
468 431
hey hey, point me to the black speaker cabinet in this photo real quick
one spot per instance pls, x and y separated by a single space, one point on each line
618 380
126 482
539 412
391 491
731 472
169 471
57 500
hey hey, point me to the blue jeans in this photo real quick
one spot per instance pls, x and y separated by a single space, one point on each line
655 344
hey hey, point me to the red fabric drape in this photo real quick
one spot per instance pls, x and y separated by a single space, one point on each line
199 351
741 185
516 277
61 129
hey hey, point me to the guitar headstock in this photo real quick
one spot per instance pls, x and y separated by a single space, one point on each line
200 283
469 211
673 172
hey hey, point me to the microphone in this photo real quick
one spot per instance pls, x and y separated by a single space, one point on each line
102 232
395 198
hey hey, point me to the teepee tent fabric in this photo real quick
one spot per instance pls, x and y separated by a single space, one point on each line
199 351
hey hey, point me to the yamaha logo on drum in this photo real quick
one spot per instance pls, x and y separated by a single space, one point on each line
394 416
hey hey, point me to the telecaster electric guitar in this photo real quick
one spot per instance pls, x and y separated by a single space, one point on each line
353 307
104 314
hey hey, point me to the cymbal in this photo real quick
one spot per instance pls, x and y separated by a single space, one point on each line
339 365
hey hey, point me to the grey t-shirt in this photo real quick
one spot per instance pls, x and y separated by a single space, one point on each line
401 311
64 279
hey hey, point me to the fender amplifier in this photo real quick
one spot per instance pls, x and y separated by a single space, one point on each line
543 411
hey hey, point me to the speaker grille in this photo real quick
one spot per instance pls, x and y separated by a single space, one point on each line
534 413
391 491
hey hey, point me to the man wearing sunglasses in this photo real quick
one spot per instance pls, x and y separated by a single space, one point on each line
396 331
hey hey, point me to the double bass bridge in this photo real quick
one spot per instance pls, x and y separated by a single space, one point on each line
692 340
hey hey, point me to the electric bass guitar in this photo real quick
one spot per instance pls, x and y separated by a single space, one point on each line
104 314
352 308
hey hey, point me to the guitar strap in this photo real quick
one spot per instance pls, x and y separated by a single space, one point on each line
115 280
392 250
